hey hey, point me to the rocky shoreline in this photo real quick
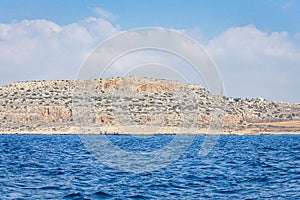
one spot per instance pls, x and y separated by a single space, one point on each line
137 106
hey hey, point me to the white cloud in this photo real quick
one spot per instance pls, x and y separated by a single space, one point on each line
252 62
256 63
196 34
297 36
135 45
105 14
250 43
41 49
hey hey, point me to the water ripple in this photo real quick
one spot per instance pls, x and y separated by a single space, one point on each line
239 167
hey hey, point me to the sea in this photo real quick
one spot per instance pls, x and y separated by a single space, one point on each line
234 167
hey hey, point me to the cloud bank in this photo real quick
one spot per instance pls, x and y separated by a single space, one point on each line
105 14
41 49
255 63
252 62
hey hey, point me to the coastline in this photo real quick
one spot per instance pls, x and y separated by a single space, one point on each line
259 128
187 134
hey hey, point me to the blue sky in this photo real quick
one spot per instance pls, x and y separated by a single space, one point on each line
212 17
254 43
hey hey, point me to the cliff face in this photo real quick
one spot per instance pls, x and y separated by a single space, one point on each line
112 105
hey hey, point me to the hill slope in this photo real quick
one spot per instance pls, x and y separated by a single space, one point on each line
136 105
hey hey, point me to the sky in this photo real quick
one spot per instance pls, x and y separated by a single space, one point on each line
254 43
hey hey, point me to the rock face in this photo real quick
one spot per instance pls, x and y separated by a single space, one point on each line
134 105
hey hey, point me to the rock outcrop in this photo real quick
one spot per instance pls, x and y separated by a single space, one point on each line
136 105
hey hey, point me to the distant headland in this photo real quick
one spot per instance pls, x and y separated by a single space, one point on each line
134 105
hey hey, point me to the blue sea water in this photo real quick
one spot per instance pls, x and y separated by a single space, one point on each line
238 167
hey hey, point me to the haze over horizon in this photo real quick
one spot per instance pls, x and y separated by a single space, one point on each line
255 44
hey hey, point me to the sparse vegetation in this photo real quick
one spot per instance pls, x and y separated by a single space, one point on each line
160 101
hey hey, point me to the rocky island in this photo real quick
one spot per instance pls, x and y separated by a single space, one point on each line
134 105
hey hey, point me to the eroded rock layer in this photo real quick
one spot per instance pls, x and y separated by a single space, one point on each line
136 105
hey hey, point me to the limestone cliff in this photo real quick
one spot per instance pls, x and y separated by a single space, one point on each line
127 105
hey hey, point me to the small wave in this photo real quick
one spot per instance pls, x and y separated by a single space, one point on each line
76 195
102 195
138 197
49 188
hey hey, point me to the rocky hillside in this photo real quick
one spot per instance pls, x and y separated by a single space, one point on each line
136 105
